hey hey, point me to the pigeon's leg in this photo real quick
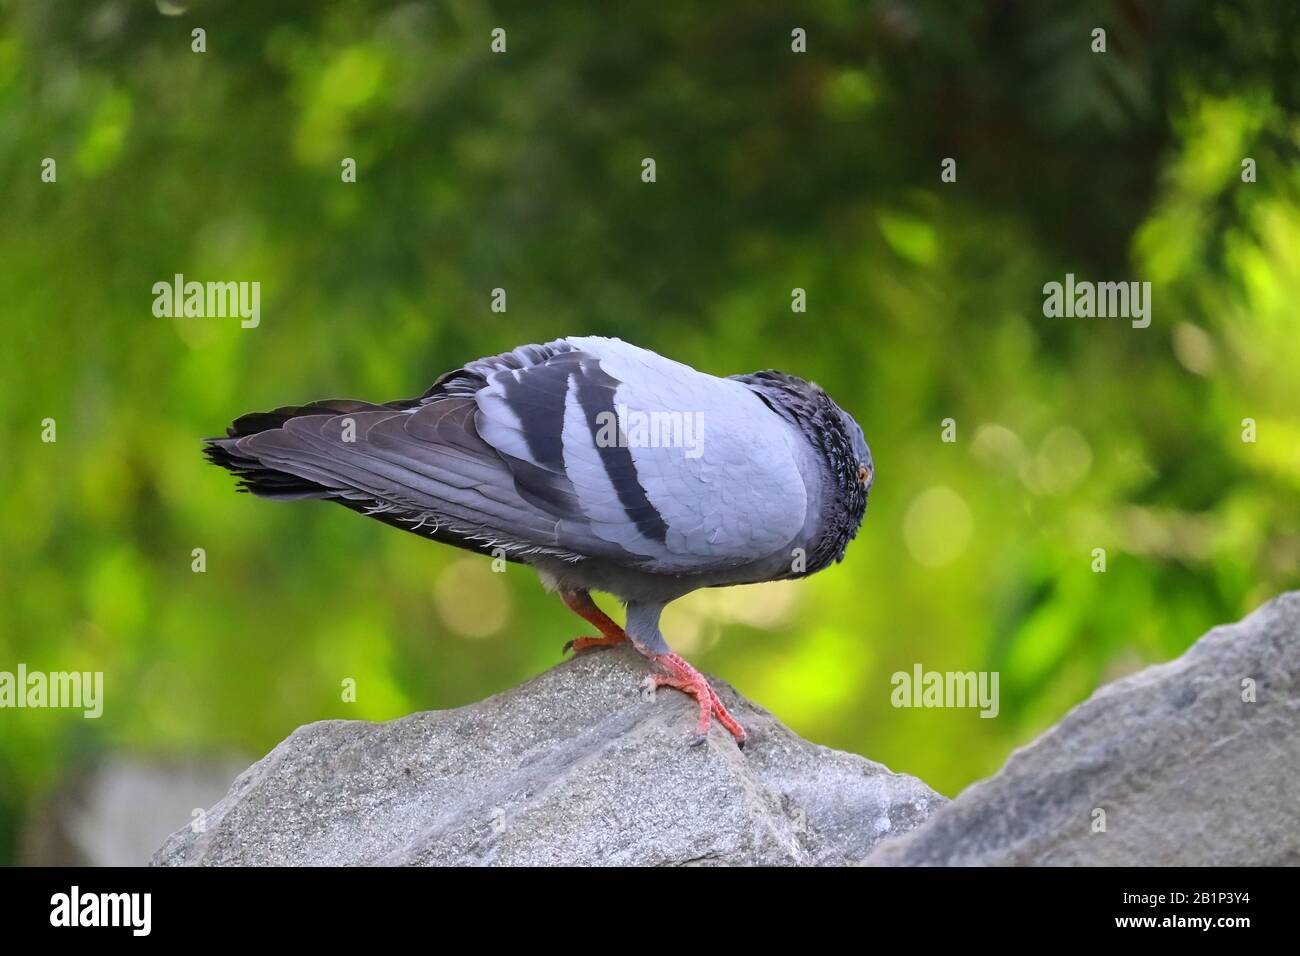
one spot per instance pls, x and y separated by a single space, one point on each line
643 628
580 603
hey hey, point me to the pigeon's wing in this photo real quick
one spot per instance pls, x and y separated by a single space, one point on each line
677 470
542 450
419 466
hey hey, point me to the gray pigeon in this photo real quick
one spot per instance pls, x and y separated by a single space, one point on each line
602 465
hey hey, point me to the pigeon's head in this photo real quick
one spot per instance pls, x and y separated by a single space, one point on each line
849 455
850 471
861 450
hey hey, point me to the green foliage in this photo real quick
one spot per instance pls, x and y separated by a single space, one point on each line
776 170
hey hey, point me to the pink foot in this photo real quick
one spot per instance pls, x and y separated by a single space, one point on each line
580 644
687 679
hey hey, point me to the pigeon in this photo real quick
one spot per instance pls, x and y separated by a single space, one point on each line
603 466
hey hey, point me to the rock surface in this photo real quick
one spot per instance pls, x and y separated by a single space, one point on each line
1193 762
1186 771
573 767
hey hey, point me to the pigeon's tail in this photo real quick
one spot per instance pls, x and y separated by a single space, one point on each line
417 464
258 479
266 481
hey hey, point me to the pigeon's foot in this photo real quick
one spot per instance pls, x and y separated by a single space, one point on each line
580 644
687 679
677 673
580 603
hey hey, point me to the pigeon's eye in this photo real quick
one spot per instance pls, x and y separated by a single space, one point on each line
864 475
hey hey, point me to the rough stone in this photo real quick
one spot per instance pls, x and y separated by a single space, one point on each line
573 767
1187 770
1192 762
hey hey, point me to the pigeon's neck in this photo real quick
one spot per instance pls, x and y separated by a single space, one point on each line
821 423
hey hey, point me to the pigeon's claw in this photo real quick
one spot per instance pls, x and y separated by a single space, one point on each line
687 679
580 644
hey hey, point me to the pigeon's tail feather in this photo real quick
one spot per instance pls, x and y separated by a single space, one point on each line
255 422
268 482
419 465
256 478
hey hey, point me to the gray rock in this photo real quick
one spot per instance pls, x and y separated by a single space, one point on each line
1187 772
573 767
